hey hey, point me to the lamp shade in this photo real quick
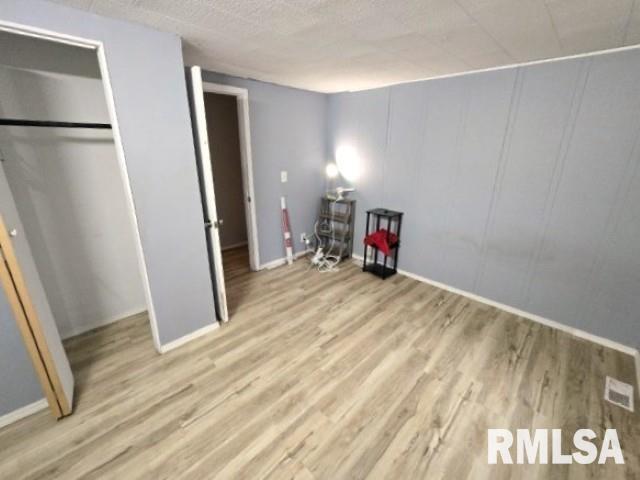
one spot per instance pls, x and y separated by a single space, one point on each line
331 170
348 162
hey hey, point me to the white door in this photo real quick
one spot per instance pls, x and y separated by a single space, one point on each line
26 279
212 224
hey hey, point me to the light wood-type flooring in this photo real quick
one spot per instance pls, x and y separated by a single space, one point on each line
325 376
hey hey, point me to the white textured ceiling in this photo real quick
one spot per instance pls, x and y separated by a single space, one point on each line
335 45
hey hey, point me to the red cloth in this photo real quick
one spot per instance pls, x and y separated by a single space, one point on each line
379 239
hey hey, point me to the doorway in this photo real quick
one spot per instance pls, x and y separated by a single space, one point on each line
66 200
226 164
222 136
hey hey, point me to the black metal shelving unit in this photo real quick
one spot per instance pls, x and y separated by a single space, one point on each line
338 216
375 261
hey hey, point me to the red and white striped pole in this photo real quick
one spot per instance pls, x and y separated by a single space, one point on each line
286 231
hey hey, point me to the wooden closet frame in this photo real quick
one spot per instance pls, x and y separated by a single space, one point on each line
29 325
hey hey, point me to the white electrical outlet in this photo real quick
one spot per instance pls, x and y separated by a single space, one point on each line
283 176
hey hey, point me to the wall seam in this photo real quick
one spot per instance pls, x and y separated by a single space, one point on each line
503 161
462 128
558 172
613 218
328 136
386 146
421 156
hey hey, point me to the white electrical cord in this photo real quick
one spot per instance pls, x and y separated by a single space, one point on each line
326 262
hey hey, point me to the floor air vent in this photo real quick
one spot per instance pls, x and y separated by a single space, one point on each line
619 393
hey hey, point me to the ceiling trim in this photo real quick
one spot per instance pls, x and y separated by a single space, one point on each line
502 67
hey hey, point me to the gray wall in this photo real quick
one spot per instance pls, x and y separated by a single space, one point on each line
67 184
224 143
287 133
19 385
520 185
145 68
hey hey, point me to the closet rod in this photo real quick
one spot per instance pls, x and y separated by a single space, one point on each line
46 123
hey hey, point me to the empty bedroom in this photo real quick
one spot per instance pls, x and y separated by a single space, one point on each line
319 239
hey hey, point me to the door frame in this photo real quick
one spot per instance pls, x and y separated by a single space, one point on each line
98 47
246 165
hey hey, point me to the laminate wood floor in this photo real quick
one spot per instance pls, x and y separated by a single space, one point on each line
325 376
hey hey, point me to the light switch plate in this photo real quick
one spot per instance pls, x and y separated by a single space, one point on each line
283 176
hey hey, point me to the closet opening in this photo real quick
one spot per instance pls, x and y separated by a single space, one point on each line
67 203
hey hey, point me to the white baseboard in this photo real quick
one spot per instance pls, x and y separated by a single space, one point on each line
187 338
234 245
23 412
282 261
638 370
101 323
576 332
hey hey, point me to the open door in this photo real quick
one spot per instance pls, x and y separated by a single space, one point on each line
203 155
20 280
